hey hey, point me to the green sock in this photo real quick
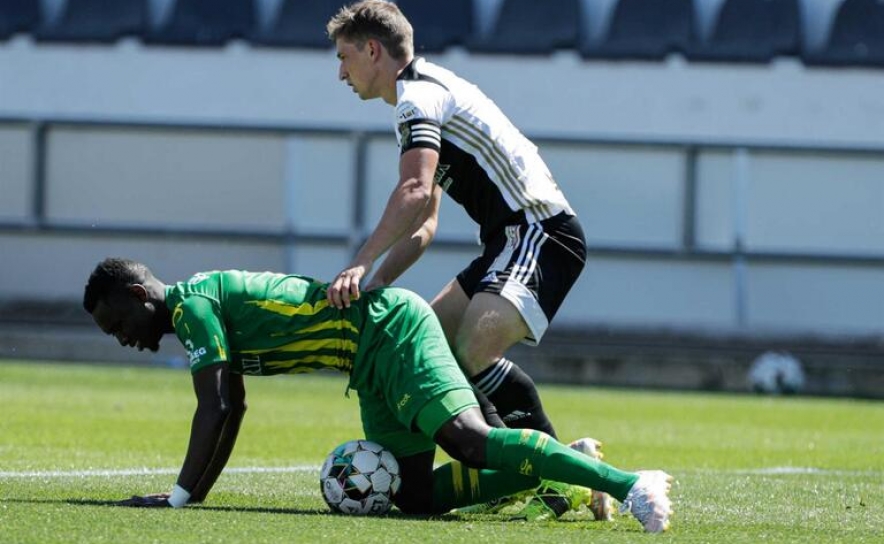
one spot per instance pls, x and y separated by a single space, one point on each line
534 453
455 485
517 459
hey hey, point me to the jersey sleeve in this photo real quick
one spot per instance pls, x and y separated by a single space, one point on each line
420 116
199 326
419 133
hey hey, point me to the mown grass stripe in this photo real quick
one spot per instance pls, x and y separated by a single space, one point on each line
100 473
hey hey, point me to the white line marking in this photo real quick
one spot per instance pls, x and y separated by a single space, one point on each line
91 473
781 471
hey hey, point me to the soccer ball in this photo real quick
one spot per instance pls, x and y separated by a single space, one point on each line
776 373
359 477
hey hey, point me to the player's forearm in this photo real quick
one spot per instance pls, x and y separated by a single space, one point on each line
222 454
403 209
409 249
205 436
402 255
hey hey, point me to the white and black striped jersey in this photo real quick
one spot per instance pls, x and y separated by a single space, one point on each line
485 163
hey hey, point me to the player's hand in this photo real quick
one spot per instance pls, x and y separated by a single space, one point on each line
345 286
156 500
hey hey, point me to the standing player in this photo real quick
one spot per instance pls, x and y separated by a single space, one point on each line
453 138
412 394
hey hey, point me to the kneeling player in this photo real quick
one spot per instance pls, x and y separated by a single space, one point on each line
412 393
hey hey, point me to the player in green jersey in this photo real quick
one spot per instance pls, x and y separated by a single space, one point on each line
412 394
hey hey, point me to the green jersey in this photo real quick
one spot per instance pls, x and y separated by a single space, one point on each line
262 323
389 342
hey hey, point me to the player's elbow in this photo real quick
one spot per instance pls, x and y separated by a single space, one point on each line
428 229
212 416
219 411
219 408
237 410
418 191
232 410
424 192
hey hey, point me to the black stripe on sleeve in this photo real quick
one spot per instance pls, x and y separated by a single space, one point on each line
420 133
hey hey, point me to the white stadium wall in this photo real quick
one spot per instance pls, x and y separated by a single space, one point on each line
676 168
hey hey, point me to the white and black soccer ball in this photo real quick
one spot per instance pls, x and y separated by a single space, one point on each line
776 373
360 477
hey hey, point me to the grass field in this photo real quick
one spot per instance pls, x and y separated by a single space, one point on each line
748 469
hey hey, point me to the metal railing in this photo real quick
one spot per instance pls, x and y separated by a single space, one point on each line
288 236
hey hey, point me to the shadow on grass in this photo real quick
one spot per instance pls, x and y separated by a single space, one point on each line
240 509
395 514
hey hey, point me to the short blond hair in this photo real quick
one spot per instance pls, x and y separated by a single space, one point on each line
374 19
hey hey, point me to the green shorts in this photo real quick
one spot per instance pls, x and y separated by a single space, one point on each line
408 381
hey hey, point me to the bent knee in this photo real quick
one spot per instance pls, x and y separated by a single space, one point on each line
471 457
465 437
474 356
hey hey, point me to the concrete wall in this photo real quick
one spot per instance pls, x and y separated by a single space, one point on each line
669 165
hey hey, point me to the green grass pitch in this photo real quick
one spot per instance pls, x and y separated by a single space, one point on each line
748 469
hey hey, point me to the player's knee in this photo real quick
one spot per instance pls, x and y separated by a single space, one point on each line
472 354
464 438
464 446
471 455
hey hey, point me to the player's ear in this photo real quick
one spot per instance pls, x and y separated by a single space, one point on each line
139 291
374 48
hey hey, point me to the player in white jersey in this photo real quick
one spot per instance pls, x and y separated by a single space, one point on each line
454 139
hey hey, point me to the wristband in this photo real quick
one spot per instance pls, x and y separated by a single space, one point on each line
179 497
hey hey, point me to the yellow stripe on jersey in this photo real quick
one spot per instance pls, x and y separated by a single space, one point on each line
290 310
221 352
292 366
324 326
308 345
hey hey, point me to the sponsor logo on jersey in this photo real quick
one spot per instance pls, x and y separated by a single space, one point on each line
177 314
406 113
198 277
438 176
403 401
193 353
441 170
252 366
490 277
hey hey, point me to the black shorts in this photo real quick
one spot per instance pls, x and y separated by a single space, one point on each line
533 265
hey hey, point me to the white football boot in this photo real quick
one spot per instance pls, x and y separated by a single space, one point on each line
648 500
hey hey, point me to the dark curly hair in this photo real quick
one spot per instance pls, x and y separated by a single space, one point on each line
112 275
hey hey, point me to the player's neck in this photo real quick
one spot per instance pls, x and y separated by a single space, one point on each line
389 95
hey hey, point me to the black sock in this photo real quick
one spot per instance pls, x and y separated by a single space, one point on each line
514 394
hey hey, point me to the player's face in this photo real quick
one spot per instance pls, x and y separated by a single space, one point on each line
129 319
358 68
